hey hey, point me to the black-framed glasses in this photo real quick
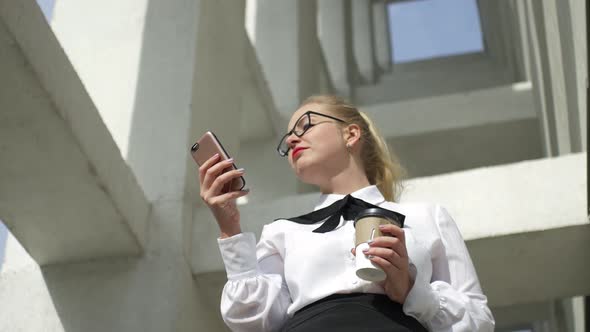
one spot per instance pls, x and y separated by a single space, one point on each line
299 128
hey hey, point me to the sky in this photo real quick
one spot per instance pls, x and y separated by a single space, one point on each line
430 28
46 8
3 236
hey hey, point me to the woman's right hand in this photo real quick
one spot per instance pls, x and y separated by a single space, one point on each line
223 205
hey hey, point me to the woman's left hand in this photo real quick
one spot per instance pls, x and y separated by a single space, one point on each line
389 252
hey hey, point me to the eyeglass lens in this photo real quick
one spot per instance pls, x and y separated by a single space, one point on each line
299 129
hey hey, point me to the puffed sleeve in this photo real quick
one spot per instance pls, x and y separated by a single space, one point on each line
452 300
255 297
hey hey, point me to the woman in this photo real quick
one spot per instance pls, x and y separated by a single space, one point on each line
300 276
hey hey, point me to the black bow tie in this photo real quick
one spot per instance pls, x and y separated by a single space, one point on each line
348 207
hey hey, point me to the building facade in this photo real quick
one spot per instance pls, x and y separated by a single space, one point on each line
100 102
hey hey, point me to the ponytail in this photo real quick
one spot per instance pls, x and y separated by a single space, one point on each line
382 167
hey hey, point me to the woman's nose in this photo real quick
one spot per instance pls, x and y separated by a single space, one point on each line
292 140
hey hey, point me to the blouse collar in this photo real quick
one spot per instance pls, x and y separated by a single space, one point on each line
369 194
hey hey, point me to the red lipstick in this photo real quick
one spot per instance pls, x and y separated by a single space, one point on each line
297 150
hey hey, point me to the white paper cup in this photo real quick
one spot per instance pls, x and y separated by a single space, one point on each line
365 268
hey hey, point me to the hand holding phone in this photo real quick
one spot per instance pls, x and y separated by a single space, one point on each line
221 183
205 148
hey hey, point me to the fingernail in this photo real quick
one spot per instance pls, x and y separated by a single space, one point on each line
381 226
370 256
216 155
241 170
230 160
365 251
369 242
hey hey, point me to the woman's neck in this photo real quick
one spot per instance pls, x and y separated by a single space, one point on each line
348 181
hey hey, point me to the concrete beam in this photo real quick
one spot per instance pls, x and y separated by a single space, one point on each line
451 150
431 78
460 110
65 189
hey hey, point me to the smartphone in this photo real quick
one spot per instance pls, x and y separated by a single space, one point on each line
207 146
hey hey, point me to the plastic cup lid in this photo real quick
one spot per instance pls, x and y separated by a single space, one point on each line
377 212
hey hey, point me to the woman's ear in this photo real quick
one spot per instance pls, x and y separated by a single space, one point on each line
352 134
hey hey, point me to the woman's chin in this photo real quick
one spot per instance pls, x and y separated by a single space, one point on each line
306 171
301 167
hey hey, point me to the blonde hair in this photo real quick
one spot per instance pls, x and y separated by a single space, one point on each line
382 168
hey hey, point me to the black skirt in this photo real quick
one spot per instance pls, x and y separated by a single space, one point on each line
353 312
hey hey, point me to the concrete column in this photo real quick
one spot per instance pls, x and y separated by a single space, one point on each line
537 80
549 78
521 42
381 36
572 36
570 314
285 39
509 41
491 25
579 19
364 50
334 27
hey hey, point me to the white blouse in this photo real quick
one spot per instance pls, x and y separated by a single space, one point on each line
291 267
